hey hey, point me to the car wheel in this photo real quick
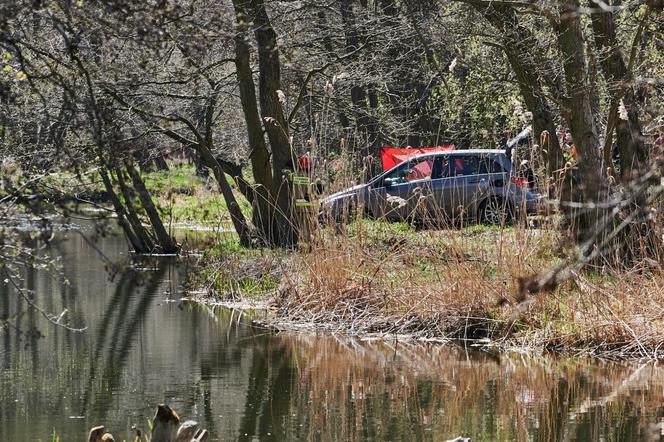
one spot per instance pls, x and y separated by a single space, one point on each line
496 211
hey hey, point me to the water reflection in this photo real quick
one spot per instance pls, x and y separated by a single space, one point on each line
349 390
244 383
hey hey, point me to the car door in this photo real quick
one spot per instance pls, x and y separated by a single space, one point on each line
469 183
459 183
439 203
398 196
476 179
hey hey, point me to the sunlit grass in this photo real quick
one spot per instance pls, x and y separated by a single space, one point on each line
184 197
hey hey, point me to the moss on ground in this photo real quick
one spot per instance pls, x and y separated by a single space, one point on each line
184 197
233 271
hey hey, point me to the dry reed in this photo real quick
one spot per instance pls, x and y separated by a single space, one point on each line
462 283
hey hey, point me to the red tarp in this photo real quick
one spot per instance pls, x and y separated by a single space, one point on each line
391 156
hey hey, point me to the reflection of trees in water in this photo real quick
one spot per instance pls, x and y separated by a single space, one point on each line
69 295
34 277
5 318
32 330
4 326
316 388
345 390
124 315
7 413
72 372
268 383
269 387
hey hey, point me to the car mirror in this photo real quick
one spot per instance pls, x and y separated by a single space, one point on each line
405 172
388 182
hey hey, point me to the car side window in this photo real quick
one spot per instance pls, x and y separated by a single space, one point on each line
396 176
412 171
420 170
488 165
442 167
463 165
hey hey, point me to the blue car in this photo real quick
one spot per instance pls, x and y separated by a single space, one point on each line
441 188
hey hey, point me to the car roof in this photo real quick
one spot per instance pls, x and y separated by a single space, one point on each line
477 151
460 152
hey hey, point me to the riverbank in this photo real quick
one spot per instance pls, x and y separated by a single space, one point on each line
379 279
376 278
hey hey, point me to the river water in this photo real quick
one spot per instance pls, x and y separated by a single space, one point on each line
143 347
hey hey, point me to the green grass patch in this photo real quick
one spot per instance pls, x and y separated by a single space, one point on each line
179 179
184 197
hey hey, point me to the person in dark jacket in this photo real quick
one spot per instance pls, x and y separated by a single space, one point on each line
527 172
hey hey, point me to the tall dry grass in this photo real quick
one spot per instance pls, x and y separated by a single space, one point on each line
453 280
462 282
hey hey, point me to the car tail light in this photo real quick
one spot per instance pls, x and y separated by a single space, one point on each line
521 182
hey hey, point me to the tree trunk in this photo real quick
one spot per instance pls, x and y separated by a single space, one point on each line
160 162
259 154
579 113
136 243
637 240
237 217
518 48
132 215
166 243
365 124
633 155
283 230
464 120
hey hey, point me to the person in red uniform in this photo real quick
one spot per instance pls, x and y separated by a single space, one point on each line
304 163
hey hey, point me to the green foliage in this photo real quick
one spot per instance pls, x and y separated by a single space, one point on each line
181 195
226 247
251 286
491 105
